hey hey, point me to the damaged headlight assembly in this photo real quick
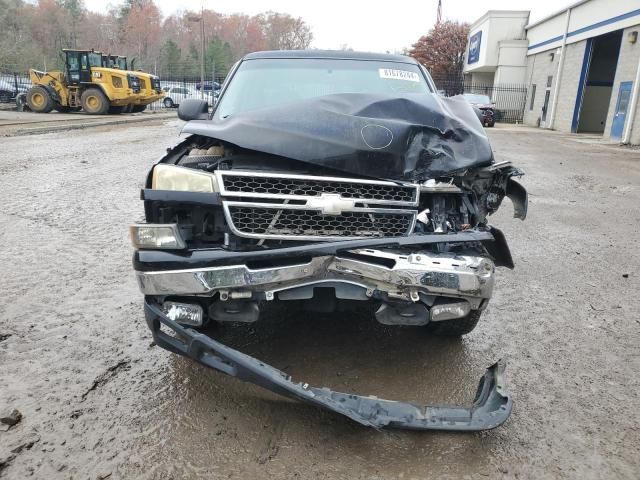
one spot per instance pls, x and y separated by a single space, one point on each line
325 201
181 179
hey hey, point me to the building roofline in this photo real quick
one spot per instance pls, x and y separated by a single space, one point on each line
556 13
490 13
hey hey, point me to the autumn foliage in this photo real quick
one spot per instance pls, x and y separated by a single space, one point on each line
442 50
33 34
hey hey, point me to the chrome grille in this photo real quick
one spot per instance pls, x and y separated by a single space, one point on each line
271 221
301 207
264 185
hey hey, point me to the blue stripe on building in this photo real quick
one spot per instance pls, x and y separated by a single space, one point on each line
593 26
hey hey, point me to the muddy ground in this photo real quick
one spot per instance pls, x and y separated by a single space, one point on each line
100 401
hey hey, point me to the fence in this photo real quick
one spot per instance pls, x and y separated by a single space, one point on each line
179 87
509 99
176 88
12 83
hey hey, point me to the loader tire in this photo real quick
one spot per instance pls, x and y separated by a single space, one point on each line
456 327
139 108
94 102
39 100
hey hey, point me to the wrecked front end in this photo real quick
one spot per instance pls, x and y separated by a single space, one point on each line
255 211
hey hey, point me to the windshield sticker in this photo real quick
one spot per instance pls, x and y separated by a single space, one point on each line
398 74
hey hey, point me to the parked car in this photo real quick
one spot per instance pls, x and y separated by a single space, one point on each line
209 86
327 181
484 107
174 95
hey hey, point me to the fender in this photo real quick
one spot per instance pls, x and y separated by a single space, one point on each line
519 197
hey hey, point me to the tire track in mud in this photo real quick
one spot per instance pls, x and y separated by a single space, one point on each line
69 296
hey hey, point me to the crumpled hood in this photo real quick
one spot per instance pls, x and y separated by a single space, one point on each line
400 137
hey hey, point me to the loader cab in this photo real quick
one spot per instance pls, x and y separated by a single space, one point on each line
121 62
115 61
78 64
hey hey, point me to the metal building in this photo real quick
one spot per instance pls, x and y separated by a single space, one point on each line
582 69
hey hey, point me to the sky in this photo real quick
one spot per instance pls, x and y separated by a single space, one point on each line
366 25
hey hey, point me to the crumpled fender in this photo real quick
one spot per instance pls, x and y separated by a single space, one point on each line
520 198
491 407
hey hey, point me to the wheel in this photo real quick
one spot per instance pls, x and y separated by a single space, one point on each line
39 100
115 110
94 102
139 108
456 327
168 103
5 96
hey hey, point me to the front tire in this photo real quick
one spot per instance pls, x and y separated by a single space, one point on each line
39 100
168 103
456 327
94 102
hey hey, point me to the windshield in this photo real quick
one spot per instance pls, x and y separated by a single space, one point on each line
121 62
269 82
95 59
477 98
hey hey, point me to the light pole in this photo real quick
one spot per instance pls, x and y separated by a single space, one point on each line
201 20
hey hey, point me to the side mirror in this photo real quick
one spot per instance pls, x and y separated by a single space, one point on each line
193 109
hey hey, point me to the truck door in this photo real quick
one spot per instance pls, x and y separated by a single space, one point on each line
620 115
85 68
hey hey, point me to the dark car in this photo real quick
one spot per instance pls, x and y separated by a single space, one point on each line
327 181
484 106
10 89
208 86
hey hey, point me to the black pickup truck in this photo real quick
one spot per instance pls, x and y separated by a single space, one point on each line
327 178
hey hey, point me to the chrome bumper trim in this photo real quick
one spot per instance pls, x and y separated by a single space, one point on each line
444 274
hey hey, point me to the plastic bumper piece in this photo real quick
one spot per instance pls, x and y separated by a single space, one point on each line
491 407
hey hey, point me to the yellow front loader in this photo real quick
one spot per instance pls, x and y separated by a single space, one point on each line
150 90
84 84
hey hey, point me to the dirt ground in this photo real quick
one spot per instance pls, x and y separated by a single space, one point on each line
13 123
100 401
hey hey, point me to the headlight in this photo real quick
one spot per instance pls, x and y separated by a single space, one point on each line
170 177
165 236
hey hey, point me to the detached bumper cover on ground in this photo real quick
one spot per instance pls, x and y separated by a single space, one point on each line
491 407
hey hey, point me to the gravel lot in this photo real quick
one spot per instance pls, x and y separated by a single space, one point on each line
99 401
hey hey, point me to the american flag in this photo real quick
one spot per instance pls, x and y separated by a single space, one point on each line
439 16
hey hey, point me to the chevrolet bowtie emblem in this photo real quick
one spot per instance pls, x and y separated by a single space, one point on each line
331 204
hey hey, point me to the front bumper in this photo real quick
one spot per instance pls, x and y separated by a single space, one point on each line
491 407
371 272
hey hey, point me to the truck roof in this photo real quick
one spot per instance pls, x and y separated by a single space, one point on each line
337 54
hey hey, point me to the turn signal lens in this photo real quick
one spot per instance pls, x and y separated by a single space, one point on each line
171 177
146 236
